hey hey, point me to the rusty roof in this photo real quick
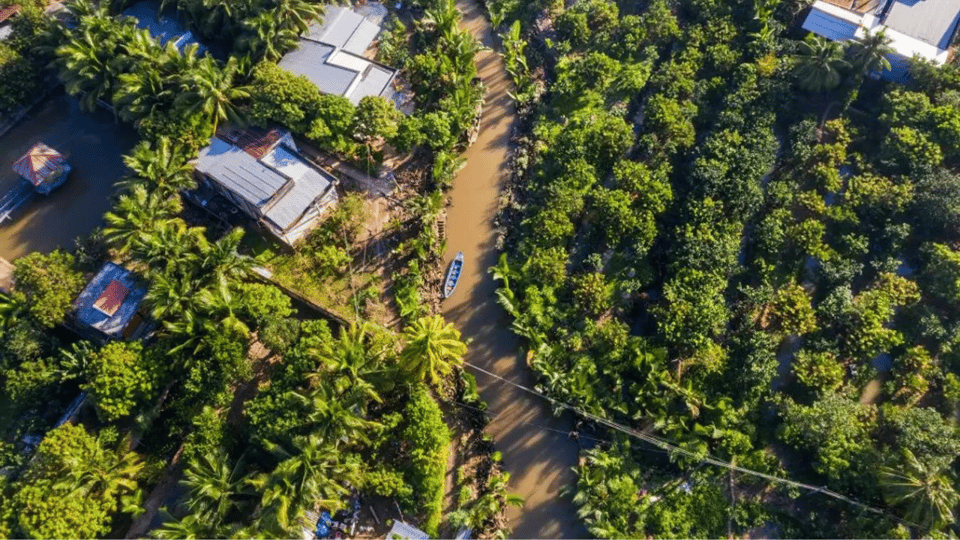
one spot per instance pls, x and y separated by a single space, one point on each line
111 298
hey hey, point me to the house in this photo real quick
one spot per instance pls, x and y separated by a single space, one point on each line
163 29
330 55
264 175
109 307
923 28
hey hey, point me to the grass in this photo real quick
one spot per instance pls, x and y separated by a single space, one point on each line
342 294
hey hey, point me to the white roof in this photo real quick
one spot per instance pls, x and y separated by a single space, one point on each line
836 23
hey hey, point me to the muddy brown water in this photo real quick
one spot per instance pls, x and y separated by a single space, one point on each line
93 144
537 452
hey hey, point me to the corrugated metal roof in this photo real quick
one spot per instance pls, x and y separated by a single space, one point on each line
363 36
307 185
239 172
373 82
828 26
330 56
404 530
310 59
930 21
110 324
337 27
281 185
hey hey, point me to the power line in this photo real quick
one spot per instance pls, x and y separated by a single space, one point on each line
705 458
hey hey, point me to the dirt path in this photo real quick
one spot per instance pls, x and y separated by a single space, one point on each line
539 461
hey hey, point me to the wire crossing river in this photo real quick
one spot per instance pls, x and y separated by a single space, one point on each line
539 460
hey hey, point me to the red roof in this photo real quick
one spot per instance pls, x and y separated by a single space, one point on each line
111 298
252 140
38 163
9 11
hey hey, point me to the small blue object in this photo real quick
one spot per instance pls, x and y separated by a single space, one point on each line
322 530
325 518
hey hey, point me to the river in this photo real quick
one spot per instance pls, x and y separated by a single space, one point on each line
93 145
540 461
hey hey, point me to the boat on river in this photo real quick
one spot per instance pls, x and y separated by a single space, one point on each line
453 275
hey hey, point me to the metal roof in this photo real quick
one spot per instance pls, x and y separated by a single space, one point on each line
310 59
281 184
330 56
113 324
39 163
930 21
828 26
401 530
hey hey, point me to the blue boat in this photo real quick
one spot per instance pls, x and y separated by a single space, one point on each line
453 275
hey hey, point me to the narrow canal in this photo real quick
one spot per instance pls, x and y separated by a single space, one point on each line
93 145
539 460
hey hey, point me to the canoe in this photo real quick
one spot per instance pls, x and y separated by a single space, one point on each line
453 275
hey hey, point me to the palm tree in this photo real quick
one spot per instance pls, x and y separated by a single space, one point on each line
213 486
222 258
110 474
870 53
209 91
819 64
433 347
219 305
297 15
265 39
171 248
926 493
310 473
89 66
136 215
337 417
191 527
164 166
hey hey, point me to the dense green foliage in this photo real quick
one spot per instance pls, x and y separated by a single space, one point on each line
704 245
72 488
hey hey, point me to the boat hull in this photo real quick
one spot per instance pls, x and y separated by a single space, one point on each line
453 275
46 188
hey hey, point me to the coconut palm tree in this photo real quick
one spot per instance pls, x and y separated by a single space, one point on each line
432 348
209 91
819 64
264 38
297 15
310 472
337 416
111 474
214 485
870 53
136 215
191 527
89 66
926 494
164 166
171 249
221 259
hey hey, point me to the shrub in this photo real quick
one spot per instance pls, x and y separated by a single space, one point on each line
427 440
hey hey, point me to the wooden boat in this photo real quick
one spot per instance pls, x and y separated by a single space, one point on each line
453 275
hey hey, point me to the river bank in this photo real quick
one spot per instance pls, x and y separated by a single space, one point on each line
536 450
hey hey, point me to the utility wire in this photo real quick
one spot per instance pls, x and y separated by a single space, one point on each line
705 458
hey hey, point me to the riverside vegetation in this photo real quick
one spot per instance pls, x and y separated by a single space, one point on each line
724 234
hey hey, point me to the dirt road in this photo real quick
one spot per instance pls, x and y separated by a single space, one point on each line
539 460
